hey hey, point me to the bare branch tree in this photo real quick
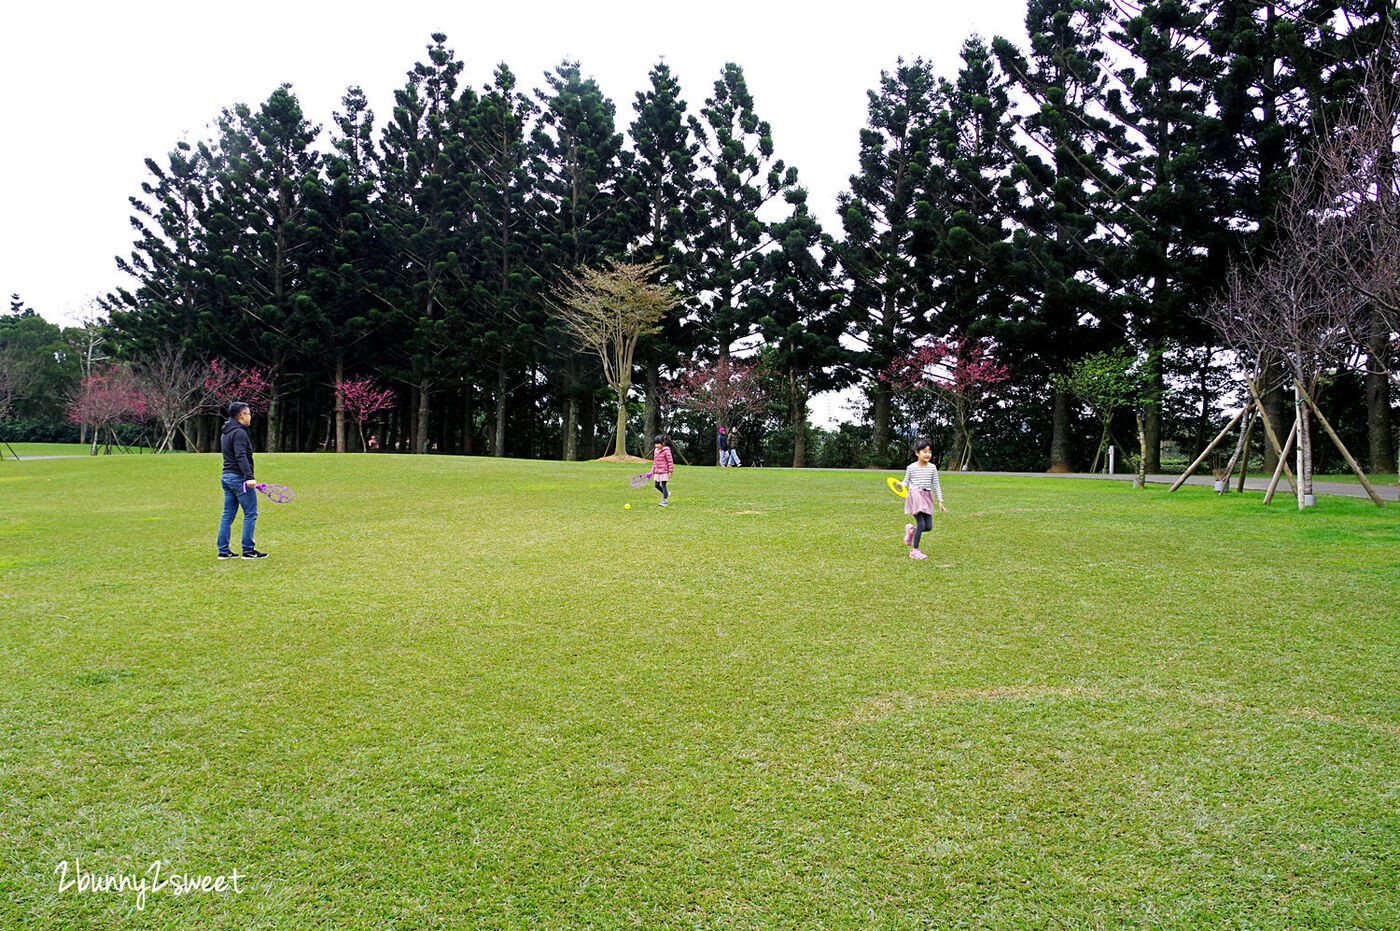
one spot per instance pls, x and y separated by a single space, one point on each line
1358 181
1297 306
175 389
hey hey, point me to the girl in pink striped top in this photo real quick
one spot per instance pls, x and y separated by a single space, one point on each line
921 481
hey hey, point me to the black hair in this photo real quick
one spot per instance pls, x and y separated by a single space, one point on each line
236 409
920 443
663 439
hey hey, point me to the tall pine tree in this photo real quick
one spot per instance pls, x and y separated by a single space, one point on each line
257 235
507 285
420 165
888 240
801 320
1066 164
584 218
662 189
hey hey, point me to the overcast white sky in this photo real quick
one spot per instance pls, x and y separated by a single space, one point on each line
89 90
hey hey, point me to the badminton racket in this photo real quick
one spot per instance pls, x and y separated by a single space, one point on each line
279 493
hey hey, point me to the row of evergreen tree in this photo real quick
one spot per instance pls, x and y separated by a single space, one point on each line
1083 193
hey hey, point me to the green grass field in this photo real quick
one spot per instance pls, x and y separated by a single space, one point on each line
25 450
475 693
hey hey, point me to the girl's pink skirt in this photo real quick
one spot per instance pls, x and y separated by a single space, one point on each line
920 501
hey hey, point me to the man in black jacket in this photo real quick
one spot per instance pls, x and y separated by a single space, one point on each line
238 482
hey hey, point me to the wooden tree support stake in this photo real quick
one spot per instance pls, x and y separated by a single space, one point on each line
1244 459
1244 441
1269 430
1202 457
1341 448
1282 462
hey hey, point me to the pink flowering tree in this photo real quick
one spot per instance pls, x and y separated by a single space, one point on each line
727 390
361 400
176 390
961 374
227 383
109 396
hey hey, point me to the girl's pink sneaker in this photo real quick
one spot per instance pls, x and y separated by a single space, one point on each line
915 554
908 534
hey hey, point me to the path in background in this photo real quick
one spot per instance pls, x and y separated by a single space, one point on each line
1343 489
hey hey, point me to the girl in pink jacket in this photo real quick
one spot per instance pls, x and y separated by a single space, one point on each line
662 465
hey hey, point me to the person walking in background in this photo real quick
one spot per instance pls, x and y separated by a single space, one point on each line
662 467
238 482
728 448
921 481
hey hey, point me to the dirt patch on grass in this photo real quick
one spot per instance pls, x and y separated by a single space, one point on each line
883 706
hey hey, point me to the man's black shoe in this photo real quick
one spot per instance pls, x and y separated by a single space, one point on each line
254 554
227 556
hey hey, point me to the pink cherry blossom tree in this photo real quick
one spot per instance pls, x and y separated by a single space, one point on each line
227 383
361 400
109 396
960 373
726 390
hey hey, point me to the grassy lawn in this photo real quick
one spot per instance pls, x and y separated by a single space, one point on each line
474 693
25 450
1375 478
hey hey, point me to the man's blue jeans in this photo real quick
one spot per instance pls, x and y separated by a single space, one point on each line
235 496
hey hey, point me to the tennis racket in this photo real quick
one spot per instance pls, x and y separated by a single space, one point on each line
639 480
279 493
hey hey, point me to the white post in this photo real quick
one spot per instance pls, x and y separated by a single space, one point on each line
1110 458
1302 439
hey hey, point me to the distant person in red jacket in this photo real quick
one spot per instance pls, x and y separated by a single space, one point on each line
662 467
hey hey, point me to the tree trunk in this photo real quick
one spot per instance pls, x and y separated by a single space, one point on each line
1305 488
799 420
1151 426
651 415
1059 435
468 420
339 405
588 438
881 438
498 433
1098 451
620 446
420 430
571 430
1141 479
274 418
961 455
1274 404
1380 438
